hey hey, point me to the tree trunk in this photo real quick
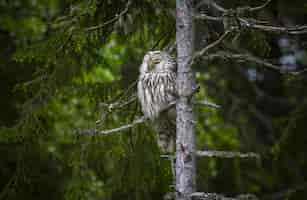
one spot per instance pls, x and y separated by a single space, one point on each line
185 142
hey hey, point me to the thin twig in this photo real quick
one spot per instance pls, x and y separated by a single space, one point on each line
257 8
210 46
208 17
224 10
114 19
274 29
217 7
118 105
7 186
211 3
140 120
93 131
135 122
226 154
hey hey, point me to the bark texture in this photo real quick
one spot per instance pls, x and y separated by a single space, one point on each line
185 141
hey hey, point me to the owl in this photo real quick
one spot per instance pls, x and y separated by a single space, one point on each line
156 90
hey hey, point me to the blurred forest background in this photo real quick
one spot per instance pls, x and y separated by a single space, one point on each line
63 61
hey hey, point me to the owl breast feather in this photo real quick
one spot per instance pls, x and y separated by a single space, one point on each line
156 92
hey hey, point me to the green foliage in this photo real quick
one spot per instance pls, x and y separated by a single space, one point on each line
63 63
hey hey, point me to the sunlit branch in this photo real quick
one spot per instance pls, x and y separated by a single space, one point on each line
93 131
140 120
227 154
207 103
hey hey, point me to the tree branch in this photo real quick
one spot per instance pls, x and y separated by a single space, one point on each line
208 17
210 46
274 29
114 19
93 131
121 128
215 5
249 58
240 9
140 120
214 196
227 154
207 103
257 8
118 105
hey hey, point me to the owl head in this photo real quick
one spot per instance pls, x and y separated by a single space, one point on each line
157 61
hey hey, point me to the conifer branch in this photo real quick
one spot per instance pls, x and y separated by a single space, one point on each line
111 21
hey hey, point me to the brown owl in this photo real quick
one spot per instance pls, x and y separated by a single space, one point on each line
156 90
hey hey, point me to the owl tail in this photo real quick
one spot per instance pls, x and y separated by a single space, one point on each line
166 137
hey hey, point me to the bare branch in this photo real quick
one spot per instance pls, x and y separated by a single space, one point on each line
118 105
260 7
210 46
274 29
211 3
207 17
217 7
140 120
93 131
248 9
250 58
114 19
239 9
207 103
227 154
209 196
214 196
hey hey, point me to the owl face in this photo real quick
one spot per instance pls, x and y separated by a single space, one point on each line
157 61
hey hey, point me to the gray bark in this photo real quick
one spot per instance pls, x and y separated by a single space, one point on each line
185 141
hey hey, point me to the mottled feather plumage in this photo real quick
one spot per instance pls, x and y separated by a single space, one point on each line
156 90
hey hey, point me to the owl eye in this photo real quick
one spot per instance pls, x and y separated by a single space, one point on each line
155 62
